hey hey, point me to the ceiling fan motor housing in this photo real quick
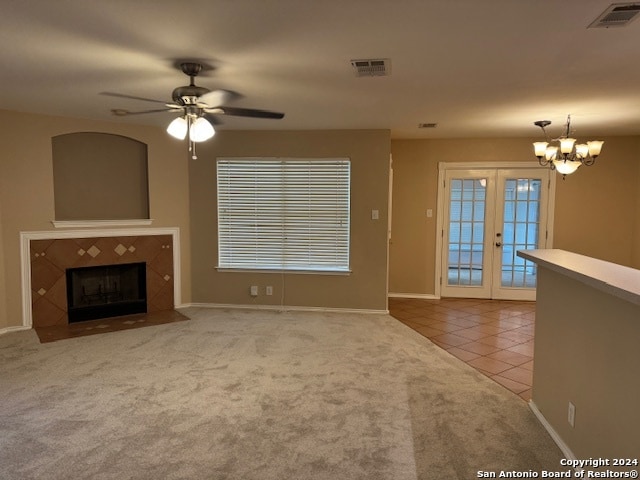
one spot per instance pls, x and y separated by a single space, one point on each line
188 94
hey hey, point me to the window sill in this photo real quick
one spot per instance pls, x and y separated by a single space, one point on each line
100 223
286 272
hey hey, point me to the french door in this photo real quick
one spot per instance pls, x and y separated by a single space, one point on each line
488 215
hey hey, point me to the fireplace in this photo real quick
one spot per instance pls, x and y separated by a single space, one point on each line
49 255
106 291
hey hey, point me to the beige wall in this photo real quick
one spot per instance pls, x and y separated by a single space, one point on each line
586 353
596 212
26 189
364 288
596 208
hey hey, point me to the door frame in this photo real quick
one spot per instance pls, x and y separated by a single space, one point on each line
443 167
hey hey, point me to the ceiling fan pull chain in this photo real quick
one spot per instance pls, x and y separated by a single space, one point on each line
192 149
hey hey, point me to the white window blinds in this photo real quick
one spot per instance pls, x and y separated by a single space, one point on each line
284 214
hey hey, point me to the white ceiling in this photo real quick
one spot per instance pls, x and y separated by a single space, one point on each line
476 68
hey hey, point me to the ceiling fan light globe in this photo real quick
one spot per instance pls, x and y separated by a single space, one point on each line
201 130
178 128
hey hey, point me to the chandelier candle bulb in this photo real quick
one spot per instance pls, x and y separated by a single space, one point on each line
566 144
582 150
540 148
551 152
594 147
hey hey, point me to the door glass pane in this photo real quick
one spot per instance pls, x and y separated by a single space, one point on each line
521 224
466 231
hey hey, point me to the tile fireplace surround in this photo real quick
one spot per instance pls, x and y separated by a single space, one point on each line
49 254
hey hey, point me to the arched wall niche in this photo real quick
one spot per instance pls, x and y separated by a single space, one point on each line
99 176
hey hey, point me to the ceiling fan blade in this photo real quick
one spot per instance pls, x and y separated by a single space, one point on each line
121 112
213 119
250 112
215 98
131 97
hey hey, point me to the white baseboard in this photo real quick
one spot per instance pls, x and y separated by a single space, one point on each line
286 308
423 296
568 454
13 329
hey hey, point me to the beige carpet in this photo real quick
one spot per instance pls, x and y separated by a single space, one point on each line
233 394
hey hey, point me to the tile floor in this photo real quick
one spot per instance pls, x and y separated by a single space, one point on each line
493 336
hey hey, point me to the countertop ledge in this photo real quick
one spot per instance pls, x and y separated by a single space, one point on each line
617 280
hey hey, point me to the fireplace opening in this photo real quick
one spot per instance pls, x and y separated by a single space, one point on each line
106 291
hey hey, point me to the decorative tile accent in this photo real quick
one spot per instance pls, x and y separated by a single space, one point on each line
120 249
93 251
41 292
132 249
81 252
166 278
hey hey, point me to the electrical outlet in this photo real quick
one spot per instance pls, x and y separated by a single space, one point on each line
254 290
269 290
572 414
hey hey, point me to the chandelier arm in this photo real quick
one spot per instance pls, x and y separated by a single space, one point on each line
542 124
544 162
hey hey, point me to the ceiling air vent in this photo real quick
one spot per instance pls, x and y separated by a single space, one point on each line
378 67
617 15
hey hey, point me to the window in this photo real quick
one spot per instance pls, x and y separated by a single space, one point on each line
284 214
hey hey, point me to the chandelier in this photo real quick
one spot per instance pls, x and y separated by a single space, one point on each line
566 156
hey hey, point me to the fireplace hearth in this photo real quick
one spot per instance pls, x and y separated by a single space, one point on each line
106 291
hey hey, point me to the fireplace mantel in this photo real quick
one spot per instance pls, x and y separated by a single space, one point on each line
82 247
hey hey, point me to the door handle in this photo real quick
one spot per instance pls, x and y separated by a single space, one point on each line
498 244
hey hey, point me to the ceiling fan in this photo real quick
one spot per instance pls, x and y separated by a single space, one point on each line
197 107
